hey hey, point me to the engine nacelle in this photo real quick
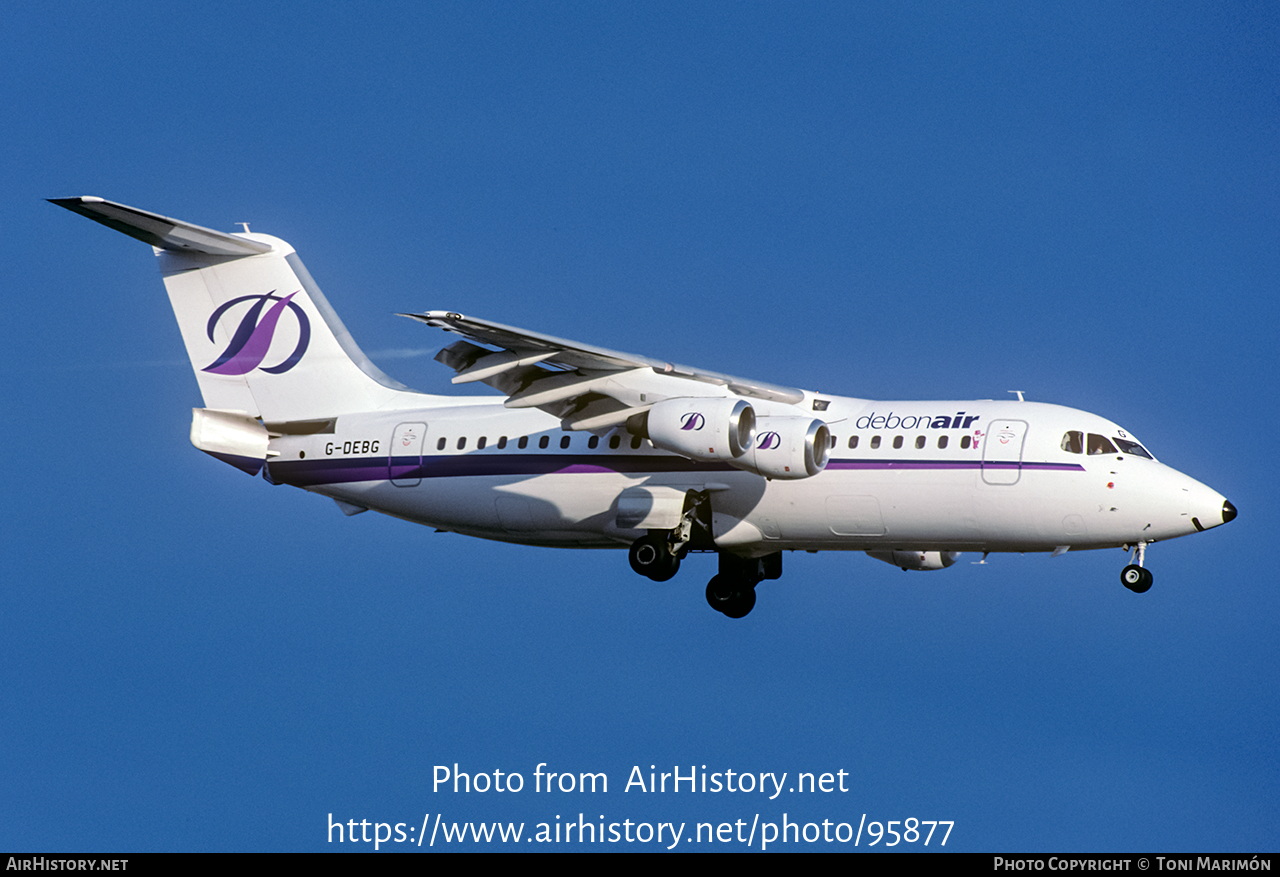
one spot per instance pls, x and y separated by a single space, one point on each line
787 447
922 560
702 428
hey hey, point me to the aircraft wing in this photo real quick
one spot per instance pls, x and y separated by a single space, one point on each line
587 387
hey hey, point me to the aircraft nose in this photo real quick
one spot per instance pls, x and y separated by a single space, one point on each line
1228 512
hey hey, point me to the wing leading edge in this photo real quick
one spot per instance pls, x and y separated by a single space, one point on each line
587 387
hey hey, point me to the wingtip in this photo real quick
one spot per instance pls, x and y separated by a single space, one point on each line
79 199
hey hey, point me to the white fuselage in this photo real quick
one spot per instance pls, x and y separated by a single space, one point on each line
960 476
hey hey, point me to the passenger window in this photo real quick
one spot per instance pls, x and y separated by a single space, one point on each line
544 441
1073 442
593 442
462 442
875 442
484 440
502 442
614 441
919 442
942 442
853 441
1099 445
964 442
524 442
564 441
897 442
440 445
635 443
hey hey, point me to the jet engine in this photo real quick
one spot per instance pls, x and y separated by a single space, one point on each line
701 428
787 447
923 560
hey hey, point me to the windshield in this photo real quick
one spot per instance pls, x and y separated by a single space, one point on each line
1137 450
1099 445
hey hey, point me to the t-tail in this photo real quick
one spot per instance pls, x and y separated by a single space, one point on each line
267 349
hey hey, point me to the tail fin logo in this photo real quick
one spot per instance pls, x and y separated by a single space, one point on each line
252 339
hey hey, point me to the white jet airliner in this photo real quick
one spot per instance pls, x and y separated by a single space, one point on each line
592 448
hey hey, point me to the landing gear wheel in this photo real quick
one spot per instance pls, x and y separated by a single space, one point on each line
1136 579
650 558
719 592
741 604
730 597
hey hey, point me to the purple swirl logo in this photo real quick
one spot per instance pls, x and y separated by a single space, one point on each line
692 420
768 441
252 339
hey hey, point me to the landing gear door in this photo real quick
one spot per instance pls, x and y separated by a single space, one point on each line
1002 451
404 462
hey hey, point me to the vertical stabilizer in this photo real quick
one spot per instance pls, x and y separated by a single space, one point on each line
261 336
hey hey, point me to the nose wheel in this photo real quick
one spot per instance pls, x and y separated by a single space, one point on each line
1134 576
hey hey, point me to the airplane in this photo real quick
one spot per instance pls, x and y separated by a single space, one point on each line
593 448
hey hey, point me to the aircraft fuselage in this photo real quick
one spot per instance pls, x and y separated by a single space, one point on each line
941 475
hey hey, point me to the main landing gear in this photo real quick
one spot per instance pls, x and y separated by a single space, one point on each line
731 597
657 556
732 591
1134 576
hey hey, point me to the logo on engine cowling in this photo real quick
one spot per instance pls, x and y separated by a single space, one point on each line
252 339
768 441
692 420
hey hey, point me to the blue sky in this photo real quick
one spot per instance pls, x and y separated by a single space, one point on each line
884 200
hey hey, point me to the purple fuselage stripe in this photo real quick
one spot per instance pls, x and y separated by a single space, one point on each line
308 473
951 464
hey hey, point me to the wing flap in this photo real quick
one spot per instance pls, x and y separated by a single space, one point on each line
494 364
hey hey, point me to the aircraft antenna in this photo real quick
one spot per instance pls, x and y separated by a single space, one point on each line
1019 392
245 225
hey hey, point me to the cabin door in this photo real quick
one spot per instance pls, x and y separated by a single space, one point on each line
404 461
1002 451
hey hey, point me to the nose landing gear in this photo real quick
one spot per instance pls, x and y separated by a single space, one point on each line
1134 576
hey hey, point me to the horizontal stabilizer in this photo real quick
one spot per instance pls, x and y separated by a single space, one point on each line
161 231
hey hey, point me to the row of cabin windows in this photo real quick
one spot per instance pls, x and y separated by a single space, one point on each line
544 442
615 441
921 441
1073 442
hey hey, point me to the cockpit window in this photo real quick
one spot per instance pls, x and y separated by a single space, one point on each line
1137 450
1099 445
1073 442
